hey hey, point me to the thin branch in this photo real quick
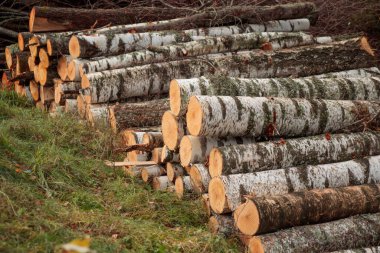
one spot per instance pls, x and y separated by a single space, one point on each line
8 32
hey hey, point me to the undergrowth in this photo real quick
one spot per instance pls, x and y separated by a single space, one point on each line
54 188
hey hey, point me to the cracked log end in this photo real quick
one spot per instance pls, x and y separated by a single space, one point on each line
71 71
175 97
194 116
8 58
179 188
215 163
31 62
196 180
74 47
247 218
20 42
364 44
217 195
62 67
213 225
170 130
42 74
85 83
112 118
34 43
255 245
34 90
185 151
44 58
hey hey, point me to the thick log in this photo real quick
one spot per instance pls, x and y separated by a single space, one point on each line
34 90
174 170
46 94
71 106
47 19
200 178
182 186
352 88
375 249
65 90
161 183
222 116
173 129
154 140
261 215
152 79
222 225
87 46
196 149
203 46
148 173
292 152
10 55
227 192
357 231
168 155
127 115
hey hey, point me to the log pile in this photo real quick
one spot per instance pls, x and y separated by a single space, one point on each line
274 128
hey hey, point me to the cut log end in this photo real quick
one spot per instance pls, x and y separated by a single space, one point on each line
179 187
44 58
161 183
42 74
194 116
32 16
247 218
20 42
170 130
71 70
196 180
74 47
34 42
255 245
213 225
62 67
34 90
8 58
144 175
217 195
366 46
31 63
85 83
206 204
49 47
185 151
172 171
175 97
215 163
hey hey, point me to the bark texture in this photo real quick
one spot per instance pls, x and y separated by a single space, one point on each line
148 173
200 178
182 186
71 106
360 250
168 155
306 207
357 231
294 179
174 170
222 224
152 79
161 183
293 152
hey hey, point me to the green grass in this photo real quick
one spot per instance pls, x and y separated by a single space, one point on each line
54 188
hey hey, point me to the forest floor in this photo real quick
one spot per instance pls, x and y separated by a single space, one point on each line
55 188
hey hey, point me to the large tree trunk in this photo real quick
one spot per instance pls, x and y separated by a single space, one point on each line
151 79
203 46
196 149
352 88
87 46
182 185
173 129
261 215
292 152
43 19
375 249
357 231
222 116
222 224
127 115
200 178
227 192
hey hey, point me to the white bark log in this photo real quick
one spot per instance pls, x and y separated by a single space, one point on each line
71 106
282 181
161 183
148 173
168 155
200 178
375 249
353 73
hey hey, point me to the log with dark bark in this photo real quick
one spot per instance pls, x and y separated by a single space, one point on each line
261 215
357 231
353 88
226 193
22 62
47 19
91 45
27 75
23 37
153 140
46 75
326 148
182 186
222 224
200 178
128 115
222 116
153 79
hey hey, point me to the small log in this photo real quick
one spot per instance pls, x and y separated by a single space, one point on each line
65 90
133 171
21 38
74 69
357 231
222 225
97 115
34 90
46 94
200 178
156 155
161 183
44 58
10 55
131 137
148 173
168 155
142 114
292 152
153 140
129 163
182 186
174 170
196 149
62 66
58 46
5 80
261 215
46 76
173 129
71 106
22 62
227 192
81 106
206 203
